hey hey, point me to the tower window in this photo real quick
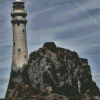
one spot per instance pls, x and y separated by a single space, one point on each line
19 49
25 56
23 30
14 44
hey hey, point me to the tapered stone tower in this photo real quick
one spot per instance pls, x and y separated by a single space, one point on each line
20 55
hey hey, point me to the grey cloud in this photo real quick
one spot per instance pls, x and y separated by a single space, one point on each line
85 33
3 89
94 12
41 4
72 16
3 80
3 71
96 78
54 17
2 1
93 51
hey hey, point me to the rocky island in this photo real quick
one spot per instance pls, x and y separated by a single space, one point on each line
53 73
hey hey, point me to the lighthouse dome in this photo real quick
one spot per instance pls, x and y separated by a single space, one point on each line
18 0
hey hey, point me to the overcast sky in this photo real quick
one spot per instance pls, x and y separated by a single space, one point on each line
71 24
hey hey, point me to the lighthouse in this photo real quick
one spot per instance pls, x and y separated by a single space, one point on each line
20 54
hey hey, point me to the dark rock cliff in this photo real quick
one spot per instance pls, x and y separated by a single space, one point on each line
54 73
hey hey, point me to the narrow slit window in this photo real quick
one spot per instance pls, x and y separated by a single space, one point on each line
19 50
24 56
14 44
23 30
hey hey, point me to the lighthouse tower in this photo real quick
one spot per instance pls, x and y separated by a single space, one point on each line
20 54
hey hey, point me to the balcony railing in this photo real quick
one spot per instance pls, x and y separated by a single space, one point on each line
18 12
15 10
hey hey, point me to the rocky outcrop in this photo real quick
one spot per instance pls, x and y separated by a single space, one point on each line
54 73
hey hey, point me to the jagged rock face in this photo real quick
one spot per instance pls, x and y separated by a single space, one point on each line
56 70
